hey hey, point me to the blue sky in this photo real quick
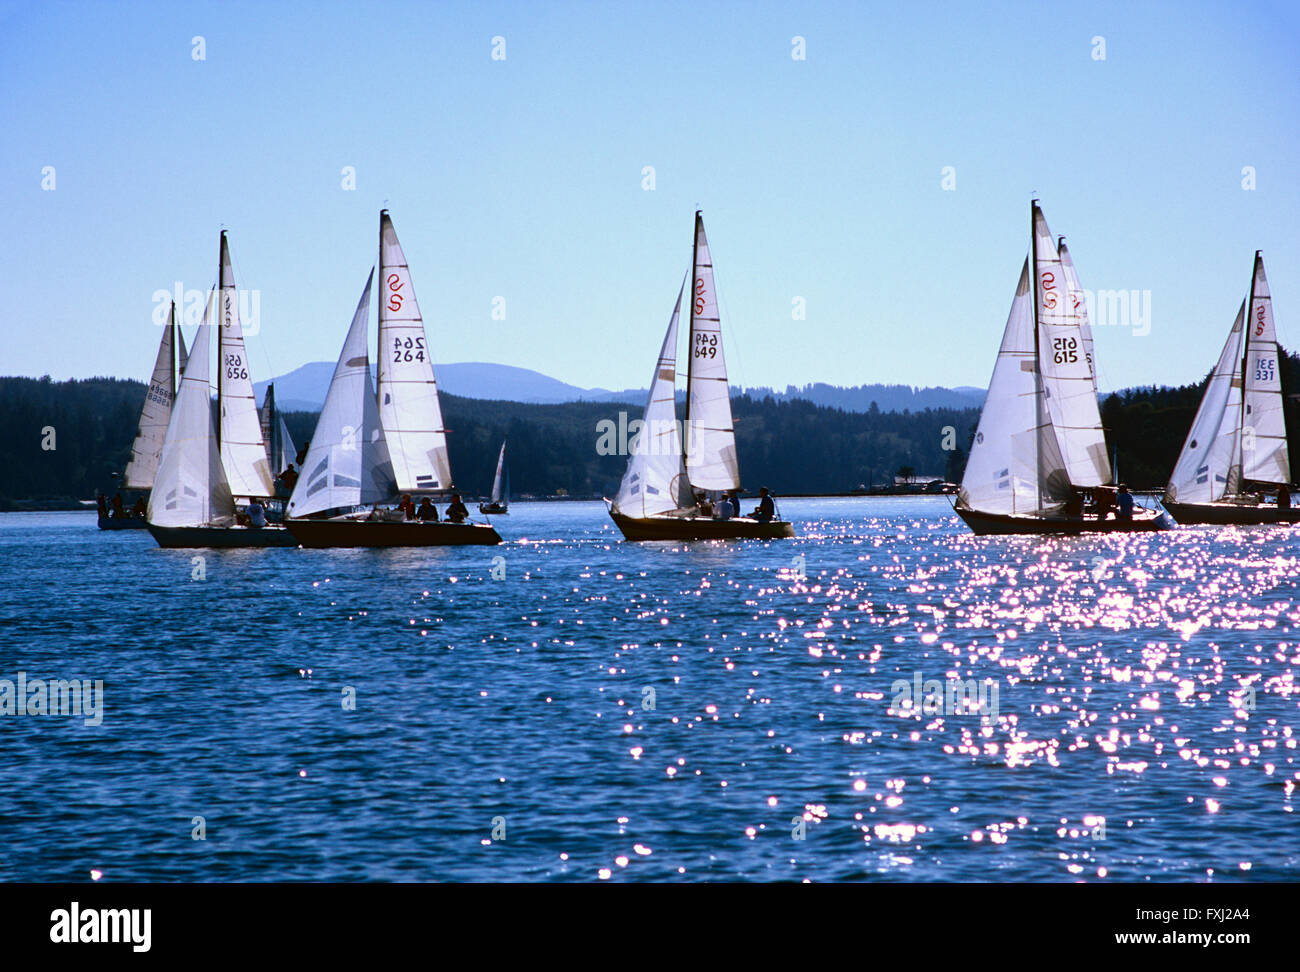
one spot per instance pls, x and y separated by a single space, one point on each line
522 178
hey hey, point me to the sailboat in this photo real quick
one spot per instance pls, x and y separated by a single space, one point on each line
146 450
204 466
1237 444
500 502
655 499
371 447
1040 450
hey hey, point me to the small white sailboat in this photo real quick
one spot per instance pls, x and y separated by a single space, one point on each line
656 499
499 504
1236 451
1040 451
369 449
146 450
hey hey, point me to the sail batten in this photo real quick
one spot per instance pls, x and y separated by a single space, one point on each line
240 431
711 460
408 393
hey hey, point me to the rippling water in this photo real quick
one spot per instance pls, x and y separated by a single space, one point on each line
1144 723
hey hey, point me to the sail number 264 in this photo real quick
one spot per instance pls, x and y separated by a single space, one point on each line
1065 350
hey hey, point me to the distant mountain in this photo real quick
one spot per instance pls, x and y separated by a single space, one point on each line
304 390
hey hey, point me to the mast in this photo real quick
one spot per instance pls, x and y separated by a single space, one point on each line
221 339
690 341
1038 368
1245 359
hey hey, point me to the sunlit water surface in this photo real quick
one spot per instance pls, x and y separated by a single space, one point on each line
656 712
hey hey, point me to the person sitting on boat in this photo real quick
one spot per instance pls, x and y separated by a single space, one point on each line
101 503
427 511
139 509
457 512
1124 500
726 509
1104 501
119 511
406 506
1283 498
1074 505
702 505
766 511
256 514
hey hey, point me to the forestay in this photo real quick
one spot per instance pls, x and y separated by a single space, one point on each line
408 393
242 449
655 473
190 489
711 461
347 462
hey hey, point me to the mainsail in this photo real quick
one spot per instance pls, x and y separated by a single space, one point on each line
1076 301
157 410
190 488
711 439
655 476
239 430
1264 455
408 394
347 463
1208 467
1069 392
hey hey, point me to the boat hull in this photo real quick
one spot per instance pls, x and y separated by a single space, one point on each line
382 533
699 528
1228 514
987 524
496 509
224 538
122 523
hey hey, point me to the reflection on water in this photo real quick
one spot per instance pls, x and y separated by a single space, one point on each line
586 709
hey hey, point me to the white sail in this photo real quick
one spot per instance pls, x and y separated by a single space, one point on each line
408 394
1208 467
190 489
655 476
347 462
288 451
496 480
1069 394
711 439
1077 304
1264 454
240 430
157 410
1002 473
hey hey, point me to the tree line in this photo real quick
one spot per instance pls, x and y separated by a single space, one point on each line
63 441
